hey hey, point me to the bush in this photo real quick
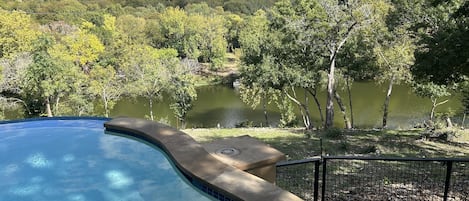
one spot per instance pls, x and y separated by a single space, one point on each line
333 133
445 134
244 124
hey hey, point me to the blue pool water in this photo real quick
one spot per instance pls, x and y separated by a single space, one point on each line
75 160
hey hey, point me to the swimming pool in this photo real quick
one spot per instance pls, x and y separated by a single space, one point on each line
76 160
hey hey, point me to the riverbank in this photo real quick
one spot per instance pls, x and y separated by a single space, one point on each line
225 75
297 145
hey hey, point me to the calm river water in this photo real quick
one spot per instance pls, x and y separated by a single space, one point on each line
222 105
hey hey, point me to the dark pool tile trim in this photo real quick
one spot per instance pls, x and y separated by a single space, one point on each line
53 118
193 160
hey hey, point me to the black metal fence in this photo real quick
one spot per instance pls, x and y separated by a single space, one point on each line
376 178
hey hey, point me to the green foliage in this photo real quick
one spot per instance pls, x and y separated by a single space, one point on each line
431 90
81 48
434 92
139 46
287 116
254 38
442 33
70 11
194 35
394 60
183 94
105 84
233 24
147 71
131 29
48 78
17 33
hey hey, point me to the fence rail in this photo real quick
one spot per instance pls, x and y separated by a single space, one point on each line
376 178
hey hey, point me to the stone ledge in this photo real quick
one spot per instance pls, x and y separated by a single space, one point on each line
193 160
248 154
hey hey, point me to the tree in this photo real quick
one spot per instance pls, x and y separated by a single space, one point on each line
48 78
104 82
70 11
233 24
182 91
444 47
345 18
197 35
394 61
318 30
170 31
12 71
260 74
211 43
81 47
147 71
17 33
258 85
131 30
441 56
434 92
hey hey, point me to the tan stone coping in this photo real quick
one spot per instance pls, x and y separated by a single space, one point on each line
252 152
193 160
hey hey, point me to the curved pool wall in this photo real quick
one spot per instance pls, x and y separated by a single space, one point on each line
214 177
74 159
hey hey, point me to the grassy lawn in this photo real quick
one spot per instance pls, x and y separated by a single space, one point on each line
298 145
362 180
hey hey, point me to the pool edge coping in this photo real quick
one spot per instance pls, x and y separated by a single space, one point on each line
193 160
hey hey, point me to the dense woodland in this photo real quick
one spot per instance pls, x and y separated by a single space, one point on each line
66 57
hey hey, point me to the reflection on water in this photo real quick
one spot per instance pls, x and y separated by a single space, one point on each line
44 163
38 160
118 179
222 105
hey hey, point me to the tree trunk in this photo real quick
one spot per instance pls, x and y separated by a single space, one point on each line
318 104
330 95
433 109
183 122
463 120
264 107
331 81
56 105
151 108
342 109
303 109
349 92
106 110
449 123
48 109
386 102
308 114
434 105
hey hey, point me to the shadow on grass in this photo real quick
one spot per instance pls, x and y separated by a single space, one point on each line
361 179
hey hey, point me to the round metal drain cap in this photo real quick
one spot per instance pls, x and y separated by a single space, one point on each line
228 151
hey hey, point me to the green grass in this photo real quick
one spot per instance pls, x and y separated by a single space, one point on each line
298 145
355 182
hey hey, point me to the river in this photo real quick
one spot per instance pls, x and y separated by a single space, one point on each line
221 105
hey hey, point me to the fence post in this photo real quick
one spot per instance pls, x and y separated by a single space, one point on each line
316 180
449 167
323 192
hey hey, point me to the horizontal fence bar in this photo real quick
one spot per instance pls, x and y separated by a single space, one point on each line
298 162
394 158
